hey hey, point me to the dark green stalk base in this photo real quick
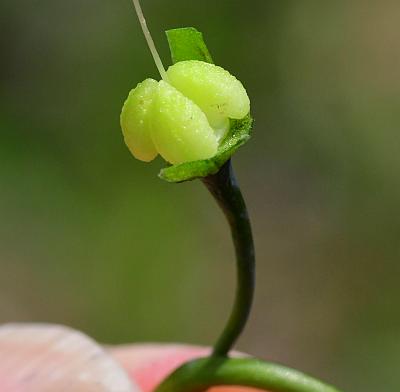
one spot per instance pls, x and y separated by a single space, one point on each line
226 191
200 374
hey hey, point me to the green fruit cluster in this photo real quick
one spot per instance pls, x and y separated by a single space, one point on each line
185 117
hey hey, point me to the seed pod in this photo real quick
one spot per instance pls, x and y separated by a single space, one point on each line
218 93
135 120
179 129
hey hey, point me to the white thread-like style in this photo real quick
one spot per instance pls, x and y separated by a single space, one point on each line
150 42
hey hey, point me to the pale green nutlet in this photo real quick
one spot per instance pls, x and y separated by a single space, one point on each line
135 120
218 93
180 130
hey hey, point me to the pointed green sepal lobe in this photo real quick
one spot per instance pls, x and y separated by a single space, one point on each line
187 44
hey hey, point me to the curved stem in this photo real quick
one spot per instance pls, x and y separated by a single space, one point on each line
203 373
224 188
219 369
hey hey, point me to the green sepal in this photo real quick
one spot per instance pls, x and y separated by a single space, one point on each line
188 44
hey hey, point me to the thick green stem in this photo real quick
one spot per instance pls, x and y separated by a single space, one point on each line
224 188
203 373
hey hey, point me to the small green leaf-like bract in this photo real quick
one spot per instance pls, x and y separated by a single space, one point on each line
187 43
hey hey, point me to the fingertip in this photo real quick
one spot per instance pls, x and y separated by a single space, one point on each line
44 358
149 364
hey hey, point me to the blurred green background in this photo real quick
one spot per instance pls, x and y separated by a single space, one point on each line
91 238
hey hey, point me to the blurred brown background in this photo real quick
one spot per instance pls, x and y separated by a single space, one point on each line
91 238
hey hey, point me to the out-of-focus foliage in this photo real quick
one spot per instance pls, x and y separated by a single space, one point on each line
90 237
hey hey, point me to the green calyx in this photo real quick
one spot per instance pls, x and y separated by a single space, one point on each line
195 119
